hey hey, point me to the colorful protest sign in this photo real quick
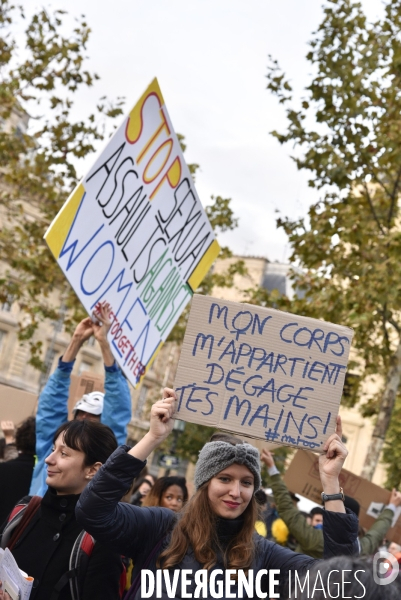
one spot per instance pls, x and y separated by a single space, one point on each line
134 234
261 372
302 477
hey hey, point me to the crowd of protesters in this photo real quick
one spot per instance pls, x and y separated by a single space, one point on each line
83 516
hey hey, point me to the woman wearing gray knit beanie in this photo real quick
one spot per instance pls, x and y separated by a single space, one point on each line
210 550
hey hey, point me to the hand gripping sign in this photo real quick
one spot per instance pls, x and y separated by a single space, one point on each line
134 234
261 372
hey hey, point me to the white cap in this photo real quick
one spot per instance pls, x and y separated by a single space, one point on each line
91 403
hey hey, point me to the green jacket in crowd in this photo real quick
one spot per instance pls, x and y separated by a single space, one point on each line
310 540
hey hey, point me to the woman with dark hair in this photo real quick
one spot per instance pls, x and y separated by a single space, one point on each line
215 532
140 490
168 492
43 534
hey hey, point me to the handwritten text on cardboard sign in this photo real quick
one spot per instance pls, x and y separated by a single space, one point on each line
261 372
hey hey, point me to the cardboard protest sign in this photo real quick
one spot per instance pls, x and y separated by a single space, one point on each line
261 372
15 404
134 234
82 384
302 477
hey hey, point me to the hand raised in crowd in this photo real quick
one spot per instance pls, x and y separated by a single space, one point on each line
395 498
102 327
330 464
267 458
161 424
8 429
83 330
82 333
161 421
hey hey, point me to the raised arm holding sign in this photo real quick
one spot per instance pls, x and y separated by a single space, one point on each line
135 235
222 513
114 410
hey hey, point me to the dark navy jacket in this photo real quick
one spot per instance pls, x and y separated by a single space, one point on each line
135 531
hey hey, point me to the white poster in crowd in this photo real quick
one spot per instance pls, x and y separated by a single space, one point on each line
134 234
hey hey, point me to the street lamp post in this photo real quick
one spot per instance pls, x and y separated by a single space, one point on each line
178 428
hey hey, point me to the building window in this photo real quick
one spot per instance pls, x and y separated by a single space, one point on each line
143 393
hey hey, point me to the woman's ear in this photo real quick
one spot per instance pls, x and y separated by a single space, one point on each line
92 470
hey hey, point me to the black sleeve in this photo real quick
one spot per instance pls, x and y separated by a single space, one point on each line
102 579
340 532
130 530
340 538
278 557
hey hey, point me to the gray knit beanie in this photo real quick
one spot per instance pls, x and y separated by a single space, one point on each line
216 456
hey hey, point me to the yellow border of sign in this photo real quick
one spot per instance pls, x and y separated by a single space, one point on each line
57 233
204 265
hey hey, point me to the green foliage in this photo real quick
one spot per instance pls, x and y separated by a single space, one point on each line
347 135
192 440
38 169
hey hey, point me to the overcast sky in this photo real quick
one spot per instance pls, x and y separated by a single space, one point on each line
210 58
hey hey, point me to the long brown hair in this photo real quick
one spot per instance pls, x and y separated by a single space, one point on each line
197 528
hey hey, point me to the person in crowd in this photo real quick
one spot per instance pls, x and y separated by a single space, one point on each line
216 528
316 517
141 489
46 546
261 499
394 548
114 410
310 537
16 474
8 448
280 532
345 577
307 517
169 492
270 516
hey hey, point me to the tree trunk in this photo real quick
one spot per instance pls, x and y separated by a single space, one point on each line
384 415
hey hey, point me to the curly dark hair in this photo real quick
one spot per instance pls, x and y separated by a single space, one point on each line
25 438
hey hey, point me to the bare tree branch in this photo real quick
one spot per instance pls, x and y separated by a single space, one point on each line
372 208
